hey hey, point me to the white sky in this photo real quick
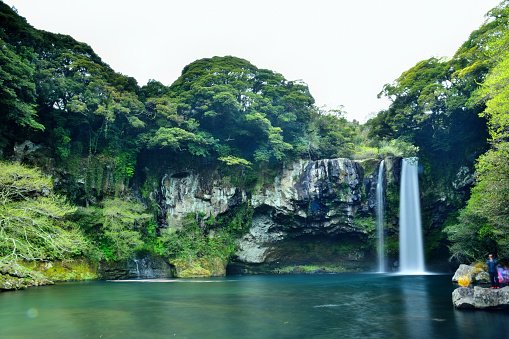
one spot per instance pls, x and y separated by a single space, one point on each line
345 50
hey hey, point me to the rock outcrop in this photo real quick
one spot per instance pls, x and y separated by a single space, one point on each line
146 267
473 273
323 198
15 277
480 298
310 198
187 192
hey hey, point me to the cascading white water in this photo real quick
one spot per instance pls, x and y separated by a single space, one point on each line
380 217
411 257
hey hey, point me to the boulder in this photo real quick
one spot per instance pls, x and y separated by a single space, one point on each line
480 298
463 298
466 270
15 277
482 277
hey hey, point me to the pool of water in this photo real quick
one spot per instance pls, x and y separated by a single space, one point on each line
294 306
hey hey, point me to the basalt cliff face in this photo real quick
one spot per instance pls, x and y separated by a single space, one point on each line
313 212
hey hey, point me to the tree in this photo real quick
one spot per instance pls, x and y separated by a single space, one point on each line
121 223
33 219
17 92
241 111
334 133
483 225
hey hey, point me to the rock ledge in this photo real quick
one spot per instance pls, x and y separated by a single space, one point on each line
480 298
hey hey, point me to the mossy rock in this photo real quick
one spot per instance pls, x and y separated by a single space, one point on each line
199 268
15 277
369 165
66 270
8 282
309 269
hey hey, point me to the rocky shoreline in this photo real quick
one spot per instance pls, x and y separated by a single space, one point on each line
479 296
18 277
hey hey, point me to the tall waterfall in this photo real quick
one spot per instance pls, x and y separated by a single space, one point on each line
380 217
411 257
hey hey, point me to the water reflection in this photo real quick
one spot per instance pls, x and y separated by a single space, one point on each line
418 320
482 324
326 306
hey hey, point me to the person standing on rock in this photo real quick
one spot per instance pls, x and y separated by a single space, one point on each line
492 270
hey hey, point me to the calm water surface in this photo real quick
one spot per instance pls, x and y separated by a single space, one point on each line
307 306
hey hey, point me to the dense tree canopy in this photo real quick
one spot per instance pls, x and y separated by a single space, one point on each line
484 223
103 136
226 107
450 109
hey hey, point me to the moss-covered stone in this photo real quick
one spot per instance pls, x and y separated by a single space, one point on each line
199 268
66 270
310 269
369 165
15 277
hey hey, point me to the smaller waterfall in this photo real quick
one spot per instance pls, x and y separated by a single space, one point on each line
380 217
137 268
142 268
411 254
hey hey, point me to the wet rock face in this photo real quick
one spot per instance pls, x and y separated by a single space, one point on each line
256 244
308 198
313 197
148 267
186 192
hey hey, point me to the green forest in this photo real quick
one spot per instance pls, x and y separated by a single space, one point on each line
82 147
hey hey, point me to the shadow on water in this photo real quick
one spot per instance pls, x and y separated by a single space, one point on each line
303 306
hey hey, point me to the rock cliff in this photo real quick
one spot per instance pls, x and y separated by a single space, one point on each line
310 204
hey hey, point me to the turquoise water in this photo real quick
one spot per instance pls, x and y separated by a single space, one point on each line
303 306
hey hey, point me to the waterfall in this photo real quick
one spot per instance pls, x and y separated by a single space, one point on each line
137 268
411 257
143 268
380 217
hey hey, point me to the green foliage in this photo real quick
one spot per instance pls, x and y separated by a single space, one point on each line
222 111
235 161
482 225
226 107
398 148
125 163
330 135
366 225
225 113
187 243
384 148
117 227
33 220
213 237
443 107
120 221
17 88
432 105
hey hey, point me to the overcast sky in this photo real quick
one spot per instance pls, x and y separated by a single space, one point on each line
345 50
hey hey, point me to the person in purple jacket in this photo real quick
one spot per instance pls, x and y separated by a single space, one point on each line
492 270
